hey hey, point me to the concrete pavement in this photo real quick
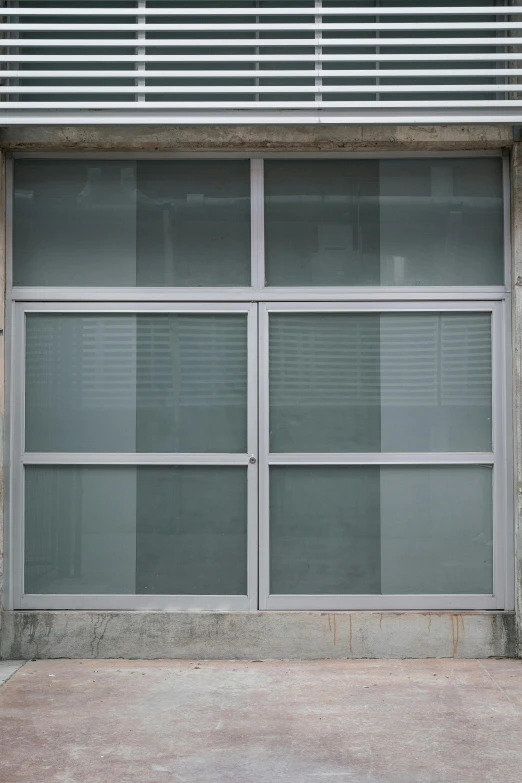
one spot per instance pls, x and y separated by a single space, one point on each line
429 721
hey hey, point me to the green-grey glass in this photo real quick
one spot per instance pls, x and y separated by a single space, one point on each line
416 222
145 530
136 383
131 223
361 382
381 530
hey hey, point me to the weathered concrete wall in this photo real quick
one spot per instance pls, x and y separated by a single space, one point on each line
305 635
287 138
254 635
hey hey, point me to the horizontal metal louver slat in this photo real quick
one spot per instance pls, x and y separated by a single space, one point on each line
259 61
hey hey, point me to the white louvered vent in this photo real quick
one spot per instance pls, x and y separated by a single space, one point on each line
150 61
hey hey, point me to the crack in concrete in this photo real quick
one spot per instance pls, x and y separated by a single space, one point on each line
501 689
99 624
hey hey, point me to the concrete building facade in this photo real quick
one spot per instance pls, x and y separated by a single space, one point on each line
150 508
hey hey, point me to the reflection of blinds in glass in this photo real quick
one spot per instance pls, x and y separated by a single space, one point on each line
197 360
466 365
436 359
410 360
398 360
124 361
324 359
108 361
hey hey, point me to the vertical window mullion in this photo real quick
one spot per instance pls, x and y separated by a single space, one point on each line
257 226
499 442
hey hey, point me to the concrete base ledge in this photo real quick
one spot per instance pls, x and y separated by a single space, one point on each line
257 635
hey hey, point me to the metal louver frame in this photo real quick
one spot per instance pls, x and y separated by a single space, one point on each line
257 61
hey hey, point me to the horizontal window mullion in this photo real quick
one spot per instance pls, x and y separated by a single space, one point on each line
135 601
380 602
406 458
132 459
140 295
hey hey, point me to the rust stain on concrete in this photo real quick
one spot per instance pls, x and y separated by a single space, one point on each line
457 628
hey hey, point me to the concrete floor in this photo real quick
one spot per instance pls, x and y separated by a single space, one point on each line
431 721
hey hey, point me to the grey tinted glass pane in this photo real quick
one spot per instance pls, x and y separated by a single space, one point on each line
74 223
345 382
193 223
132 223
389 530
136 383
388 222
152 530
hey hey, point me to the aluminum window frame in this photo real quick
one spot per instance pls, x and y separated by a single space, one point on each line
496 299
501 596
19 459
258 291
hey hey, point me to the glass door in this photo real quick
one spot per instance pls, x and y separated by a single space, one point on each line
137 443
380 456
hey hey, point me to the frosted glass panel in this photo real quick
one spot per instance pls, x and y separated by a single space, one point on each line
132 223
350 382
129 383
381 530
126 530
388 222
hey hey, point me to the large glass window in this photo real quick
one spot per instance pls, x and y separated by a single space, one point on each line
349 314
136 383
384 222
132 223
150 530
342 382
138 423
360 387
380 441
380 529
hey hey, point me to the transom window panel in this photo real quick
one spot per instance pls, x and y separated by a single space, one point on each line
136 383
384 222
392 382
132 223
126 530
202 223
259 61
